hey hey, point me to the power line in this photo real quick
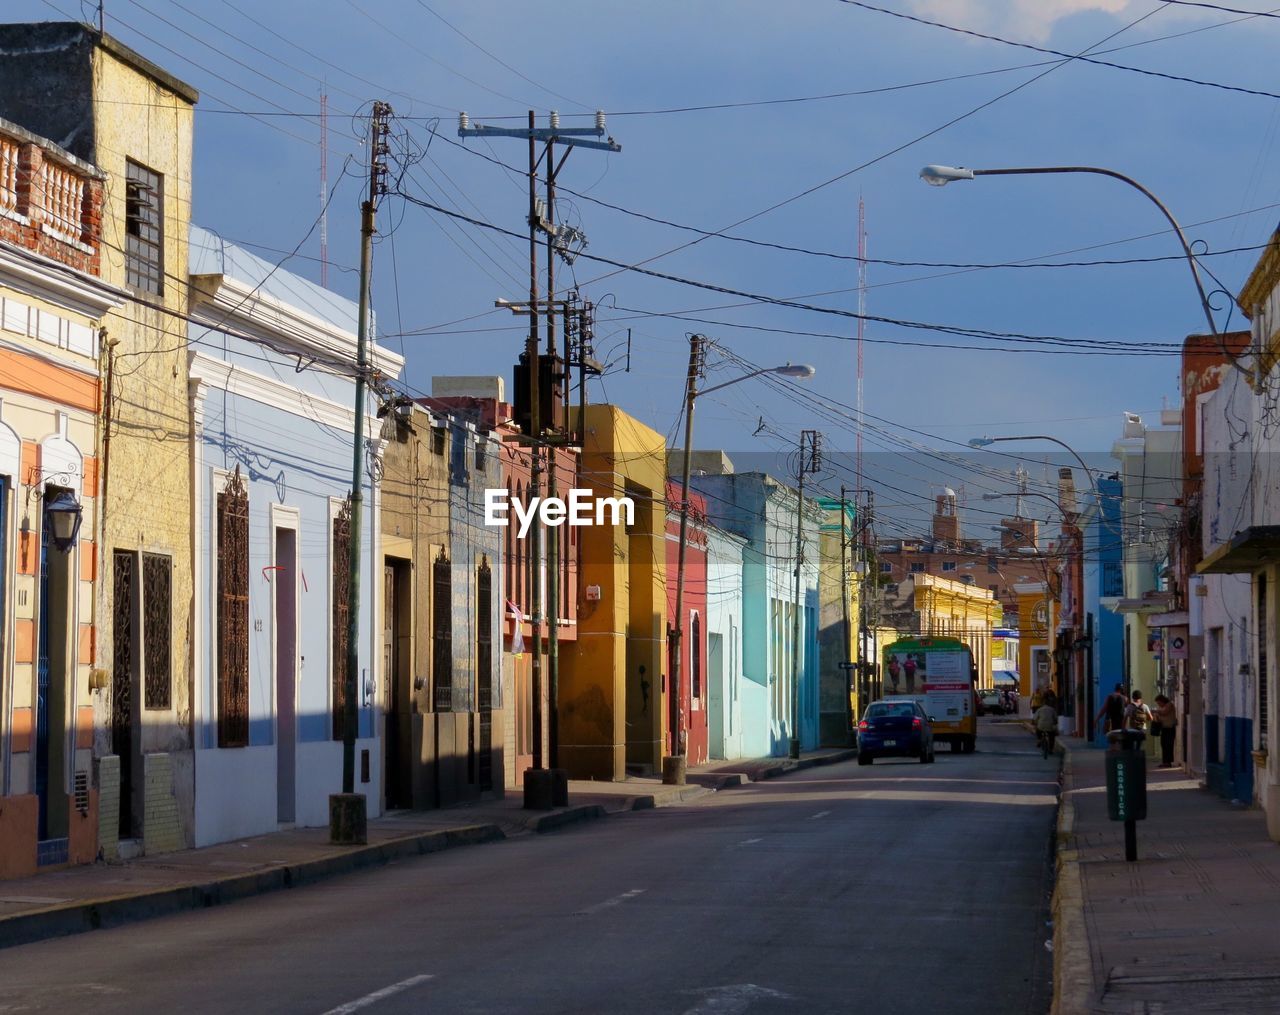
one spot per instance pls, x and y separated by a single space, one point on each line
1057 52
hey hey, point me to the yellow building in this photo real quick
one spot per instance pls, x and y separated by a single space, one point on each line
1039 611
611 682
840 695
133 121
927 605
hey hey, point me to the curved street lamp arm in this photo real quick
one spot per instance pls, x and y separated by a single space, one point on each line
1186 247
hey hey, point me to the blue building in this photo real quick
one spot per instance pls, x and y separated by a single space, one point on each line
272 364
762 511
1103 579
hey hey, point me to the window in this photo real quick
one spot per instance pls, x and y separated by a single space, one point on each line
340 614
695 656
479 464
484 670
917 568
437 441
885 567
233 613
442 632
948 565
144 228
157 618
1112 578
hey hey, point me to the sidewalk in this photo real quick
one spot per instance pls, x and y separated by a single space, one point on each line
74 899
1190 927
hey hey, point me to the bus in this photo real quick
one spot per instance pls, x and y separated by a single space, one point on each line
938 673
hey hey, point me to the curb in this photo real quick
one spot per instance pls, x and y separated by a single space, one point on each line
116 911
1073 981
567 816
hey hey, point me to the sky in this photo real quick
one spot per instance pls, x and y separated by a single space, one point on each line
878 96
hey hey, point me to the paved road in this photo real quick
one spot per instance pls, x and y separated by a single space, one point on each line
896 888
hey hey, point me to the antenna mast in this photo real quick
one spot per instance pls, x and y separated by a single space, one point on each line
862 311
324 190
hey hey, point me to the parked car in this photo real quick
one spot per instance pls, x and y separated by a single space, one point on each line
894 728
991 702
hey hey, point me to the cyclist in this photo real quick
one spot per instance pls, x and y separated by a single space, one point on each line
1046 718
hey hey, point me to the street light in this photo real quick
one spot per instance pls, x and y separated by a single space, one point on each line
940 176
982 442
673 768
63 514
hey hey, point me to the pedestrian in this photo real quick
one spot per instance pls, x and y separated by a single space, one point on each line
1137 716
1166 715
909 668
1046 720
1037 699
1113 708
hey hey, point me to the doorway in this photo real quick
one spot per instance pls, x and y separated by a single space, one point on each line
123 741
54 667
285 585
397 734
715 693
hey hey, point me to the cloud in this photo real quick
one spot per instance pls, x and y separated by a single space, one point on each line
1023 20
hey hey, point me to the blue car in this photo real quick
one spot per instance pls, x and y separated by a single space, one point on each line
894 728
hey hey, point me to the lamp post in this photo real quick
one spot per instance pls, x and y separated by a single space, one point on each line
673 768
982 442
64 514
940 176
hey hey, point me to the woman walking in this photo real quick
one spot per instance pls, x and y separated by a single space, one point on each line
1166 715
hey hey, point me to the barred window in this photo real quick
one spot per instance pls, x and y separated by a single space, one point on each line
695 656
233 613
144 228
340 598
157 618
484 634
442 632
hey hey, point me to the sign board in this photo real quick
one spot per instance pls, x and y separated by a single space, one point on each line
1126 785
937 672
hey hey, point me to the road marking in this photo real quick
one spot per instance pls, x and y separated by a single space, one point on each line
748 842
608 903
379 995
820 814
731 1000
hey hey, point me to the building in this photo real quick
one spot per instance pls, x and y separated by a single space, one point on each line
271 477
780 677
1102 576
133 121
724 643
1150 474
612 702
52 306
839 586
688 704
925 605
947 554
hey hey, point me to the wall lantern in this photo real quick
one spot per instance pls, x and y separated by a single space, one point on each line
63 512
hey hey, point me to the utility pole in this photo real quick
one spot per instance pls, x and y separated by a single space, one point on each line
542 788
347 812
846 642
674 767
810 462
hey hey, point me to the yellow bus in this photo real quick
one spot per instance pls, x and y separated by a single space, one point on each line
938 673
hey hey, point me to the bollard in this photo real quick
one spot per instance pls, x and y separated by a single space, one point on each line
1127 784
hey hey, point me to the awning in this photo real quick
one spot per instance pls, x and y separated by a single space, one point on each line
1250 549
1178 618
1152 602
